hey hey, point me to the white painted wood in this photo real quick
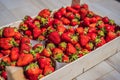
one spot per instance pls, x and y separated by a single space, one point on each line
114 75
114 61
95 72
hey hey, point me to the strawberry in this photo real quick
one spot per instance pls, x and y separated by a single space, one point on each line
43 61
23 26
57 15
74 39
17 35
74 22
100 41
14 53
62 11
70 49
28 33
57 22
7 43
112 22
105 19
38 48
101 33
45 13
100 24
62 46
80 30
110 36
57 54
66 37
61 29
70 15
92 36
1 55
65 21
41 38
25 40
84 6
78 46
93 20
54 37
6 60
92 30
24 59
89 46
109 27
85 51
25 48
83 13
84 39
86 21
33 71
70 30
37 23
90 14
65 59
36 33
46 52
8 32
51 46
70 9
47 70
76 6
6 52
4 74
27 18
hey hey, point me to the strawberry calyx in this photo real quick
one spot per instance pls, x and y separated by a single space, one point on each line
73 57
1 32
50 46
112 22
32 66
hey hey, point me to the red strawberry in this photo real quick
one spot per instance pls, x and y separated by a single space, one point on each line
36 32
76 6
77 46
8 32
54 37
17 35
65 21
93 20
66 37
43 61
90 14
109 27
46 52
83 12
62 10
92 30
74 39
38 48
47 70
110 36
89 46
33 71
61 29
57 54
62 46
1 55
100 41
84 39
6 60
57 15
92 36
57 22
25 48
86 21
70 9
74 22
80 30
14 53
41 38
25 40
7 43
45 13
6 52
100 24
70 49
4 75
65 59
84 6
24 59
28 18
28 33
70 15
105 19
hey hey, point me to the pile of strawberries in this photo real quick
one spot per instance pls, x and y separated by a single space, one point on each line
68 34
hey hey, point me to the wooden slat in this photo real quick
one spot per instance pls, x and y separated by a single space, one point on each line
114 61
114 75
95 72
